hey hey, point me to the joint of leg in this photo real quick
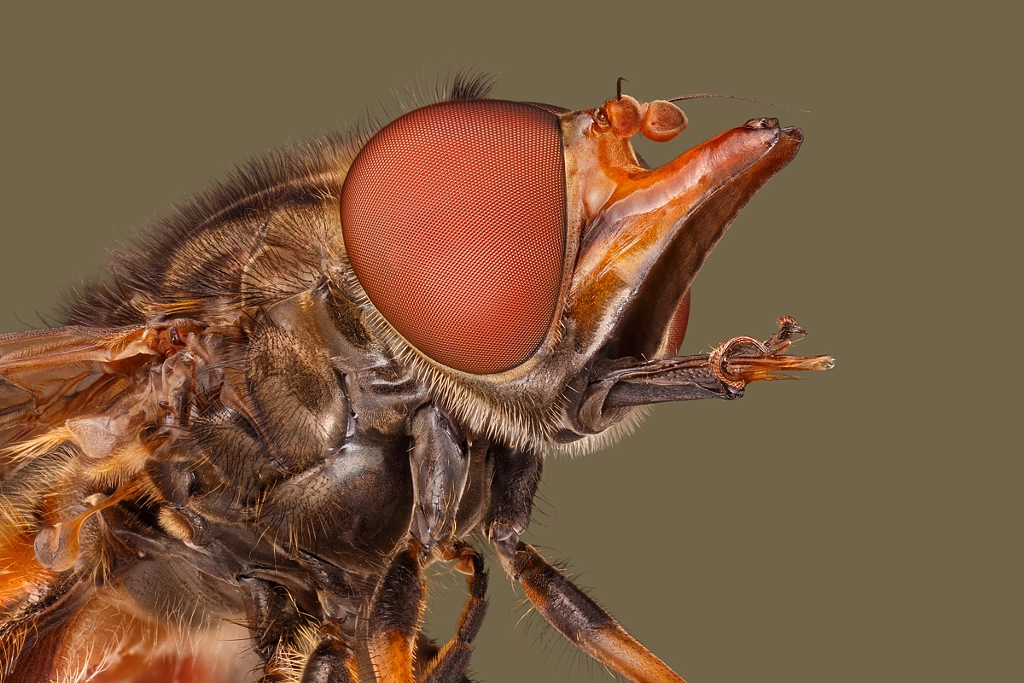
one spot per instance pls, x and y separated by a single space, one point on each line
502 533
468 561
518 559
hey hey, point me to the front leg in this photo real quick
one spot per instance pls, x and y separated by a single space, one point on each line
574 614
577 617
440 466
449 663
395 615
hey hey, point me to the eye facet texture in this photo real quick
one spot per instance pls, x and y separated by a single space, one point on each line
454 220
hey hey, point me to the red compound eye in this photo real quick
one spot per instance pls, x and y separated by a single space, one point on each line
454 221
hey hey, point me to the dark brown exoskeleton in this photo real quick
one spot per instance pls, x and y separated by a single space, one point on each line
348 363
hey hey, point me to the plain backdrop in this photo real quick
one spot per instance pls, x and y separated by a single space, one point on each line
860 525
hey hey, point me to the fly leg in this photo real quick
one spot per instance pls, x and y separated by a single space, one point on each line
395 616
333 660
449 664
289 642
577 617
574 614
440 467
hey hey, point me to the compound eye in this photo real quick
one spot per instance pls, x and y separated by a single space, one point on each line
454 221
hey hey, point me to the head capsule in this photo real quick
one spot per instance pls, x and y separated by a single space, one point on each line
495 237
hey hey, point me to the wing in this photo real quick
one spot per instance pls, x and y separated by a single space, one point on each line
75 404
49 376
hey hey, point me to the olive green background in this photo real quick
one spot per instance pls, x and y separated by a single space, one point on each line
863 524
